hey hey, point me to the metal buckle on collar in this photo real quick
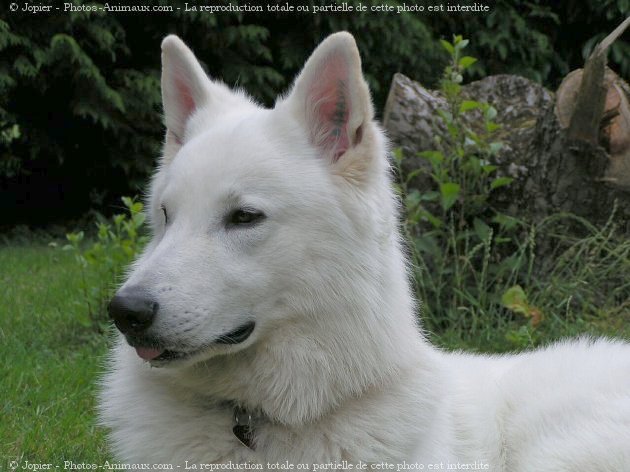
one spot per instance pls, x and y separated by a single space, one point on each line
243 428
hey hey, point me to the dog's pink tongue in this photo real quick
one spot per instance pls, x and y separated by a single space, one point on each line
148 353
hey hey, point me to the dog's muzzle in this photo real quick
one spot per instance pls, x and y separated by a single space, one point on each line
132 311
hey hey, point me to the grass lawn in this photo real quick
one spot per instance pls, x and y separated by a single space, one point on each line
49 357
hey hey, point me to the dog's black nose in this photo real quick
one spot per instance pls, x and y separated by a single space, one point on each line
132 310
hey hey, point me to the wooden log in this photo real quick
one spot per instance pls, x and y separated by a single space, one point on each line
553 171
568 151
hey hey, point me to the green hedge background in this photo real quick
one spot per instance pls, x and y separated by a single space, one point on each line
80 111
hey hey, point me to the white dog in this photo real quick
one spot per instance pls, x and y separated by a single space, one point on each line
270 320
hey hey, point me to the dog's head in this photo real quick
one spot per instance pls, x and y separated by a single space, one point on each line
259 217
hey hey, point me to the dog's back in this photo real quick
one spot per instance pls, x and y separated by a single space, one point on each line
562 408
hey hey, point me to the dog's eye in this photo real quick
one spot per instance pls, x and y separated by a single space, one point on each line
245 217
163 208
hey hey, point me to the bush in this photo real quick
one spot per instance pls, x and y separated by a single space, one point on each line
104 261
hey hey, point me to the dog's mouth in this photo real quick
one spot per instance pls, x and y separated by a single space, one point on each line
237 335
157 356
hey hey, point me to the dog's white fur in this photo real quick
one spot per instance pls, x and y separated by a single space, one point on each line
336 366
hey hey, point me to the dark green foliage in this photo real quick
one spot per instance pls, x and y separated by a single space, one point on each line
80 120
80 112
539 39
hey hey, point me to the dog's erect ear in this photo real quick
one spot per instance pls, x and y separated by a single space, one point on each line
185 87
331 96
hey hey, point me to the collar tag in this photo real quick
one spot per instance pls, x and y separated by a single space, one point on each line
243 428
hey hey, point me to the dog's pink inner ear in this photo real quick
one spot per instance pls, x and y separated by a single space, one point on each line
185 97
329 106
186 103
